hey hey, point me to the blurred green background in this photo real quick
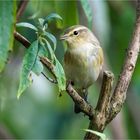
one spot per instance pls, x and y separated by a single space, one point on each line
40 113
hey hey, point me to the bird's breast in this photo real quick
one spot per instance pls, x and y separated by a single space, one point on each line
76 65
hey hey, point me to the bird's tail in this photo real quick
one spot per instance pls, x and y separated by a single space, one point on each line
83 93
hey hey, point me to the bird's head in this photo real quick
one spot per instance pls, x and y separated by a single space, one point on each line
77 35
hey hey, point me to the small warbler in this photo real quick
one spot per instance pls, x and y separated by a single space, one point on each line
83 59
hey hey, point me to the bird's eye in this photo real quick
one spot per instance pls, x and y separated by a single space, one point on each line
75 32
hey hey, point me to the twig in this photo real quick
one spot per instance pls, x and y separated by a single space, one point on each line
49 66
83 105
22 39
21 8
49 79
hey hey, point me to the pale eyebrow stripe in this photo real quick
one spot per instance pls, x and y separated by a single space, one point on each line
79 28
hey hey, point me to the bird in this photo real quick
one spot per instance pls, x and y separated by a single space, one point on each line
83 59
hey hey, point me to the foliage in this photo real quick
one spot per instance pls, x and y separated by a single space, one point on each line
40 48
101 135
7 20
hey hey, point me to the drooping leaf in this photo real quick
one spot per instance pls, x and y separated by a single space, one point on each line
101 135
7 20
43 52
49 48
52 39
38 67
28 63
52 16
27 25
88 12
60 75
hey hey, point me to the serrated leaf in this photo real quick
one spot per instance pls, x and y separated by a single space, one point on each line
26 25
7 21
38 67
27 66
60 75
51 17
101 135
52 39
88 12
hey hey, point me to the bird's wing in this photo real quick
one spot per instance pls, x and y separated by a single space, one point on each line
96 61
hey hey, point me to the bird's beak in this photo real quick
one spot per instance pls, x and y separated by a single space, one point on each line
63 37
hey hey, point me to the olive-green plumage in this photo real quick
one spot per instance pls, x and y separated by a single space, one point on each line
83 59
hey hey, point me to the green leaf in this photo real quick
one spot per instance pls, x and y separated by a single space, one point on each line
52 39
28 63
7 20
88 12
27 25
52 16
49 48
38 67
43 52
101 135
41 21
60 75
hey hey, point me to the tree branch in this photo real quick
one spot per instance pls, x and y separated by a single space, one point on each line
83 105
21 8
22 39
119 94
98 122
105 94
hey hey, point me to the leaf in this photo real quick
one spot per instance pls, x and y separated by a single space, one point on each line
38 67
88 12
27 25
7 20
49 48
28 63
51 17
101 135
41 21
42 51
52 39
60 75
